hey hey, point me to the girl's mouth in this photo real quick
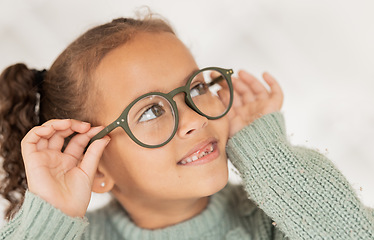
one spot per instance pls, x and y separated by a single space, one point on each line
204 154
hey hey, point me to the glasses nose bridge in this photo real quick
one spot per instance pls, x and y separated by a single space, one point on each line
176 91
183 89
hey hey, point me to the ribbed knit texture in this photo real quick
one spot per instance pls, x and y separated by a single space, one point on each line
38 219
298 188
295 193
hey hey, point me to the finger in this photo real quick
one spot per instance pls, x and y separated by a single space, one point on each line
66 129
257 87
276 93
78 143
57 141
275 88
214 74
224 85
224 95
237 102
245 91
63 124
59 124
33 137
92 157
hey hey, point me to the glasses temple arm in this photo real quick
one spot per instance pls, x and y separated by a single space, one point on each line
102 133
215 80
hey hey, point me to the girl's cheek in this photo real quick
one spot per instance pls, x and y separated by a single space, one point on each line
222 127
226 125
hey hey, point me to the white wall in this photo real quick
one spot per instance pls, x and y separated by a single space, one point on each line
322 53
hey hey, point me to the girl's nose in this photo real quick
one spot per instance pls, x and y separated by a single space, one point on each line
190 122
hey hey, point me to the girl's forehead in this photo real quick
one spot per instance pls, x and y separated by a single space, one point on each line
149 62
147 56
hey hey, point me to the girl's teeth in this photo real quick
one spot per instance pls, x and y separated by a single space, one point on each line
198 155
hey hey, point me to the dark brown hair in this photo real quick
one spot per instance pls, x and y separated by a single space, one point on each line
63 94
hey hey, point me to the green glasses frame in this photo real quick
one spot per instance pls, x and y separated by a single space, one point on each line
121 121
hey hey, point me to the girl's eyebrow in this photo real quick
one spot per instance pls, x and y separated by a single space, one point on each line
183 83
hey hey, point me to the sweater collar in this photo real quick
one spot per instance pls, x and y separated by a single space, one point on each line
213 218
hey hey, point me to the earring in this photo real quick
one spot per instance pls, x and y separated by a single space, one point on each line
102 184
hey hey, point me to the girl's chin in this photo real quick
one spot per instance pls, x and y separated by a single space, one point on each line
216 184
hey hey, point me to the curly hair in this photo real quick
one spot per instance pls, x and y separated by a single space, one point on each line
63 94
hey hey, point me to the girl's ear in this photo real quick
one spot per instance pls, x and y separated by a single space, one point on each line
102 182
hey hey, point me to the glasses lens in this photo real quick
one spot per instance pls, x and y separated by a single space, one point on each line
209 92
151 120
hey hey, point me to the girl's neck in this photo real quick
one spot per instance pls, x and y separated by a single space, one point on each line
162 214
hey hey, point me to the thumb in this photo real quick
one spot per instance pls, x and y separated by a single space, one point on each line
92 157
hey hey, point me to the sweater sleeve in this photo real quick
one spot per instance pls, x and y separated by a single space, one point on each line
300 189
37 219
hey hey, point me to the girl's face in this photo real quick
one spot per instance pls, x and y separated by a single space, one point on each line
158 62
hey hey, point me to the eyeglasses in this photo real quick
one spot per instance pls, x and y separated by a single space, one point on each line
152 119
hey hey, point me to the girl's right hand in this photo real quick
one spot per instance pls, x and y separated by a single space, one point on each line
251 99
64 179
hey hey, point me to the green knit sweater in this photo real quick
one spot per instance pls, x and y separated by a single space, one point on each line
294 193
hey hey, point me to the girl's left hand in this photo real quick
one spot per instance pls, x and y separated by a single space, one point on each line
252 100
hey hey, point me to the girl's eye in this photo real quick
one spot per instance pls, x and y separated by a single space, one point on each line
199 89
151 113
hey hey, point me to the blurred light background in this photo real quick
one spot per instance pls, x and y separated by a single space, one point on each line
321 52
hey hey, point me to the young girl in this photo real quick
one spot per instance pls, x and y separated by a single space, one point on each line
160 131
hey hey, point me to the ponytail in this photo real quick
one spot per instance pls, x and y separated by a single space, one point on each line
18 114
